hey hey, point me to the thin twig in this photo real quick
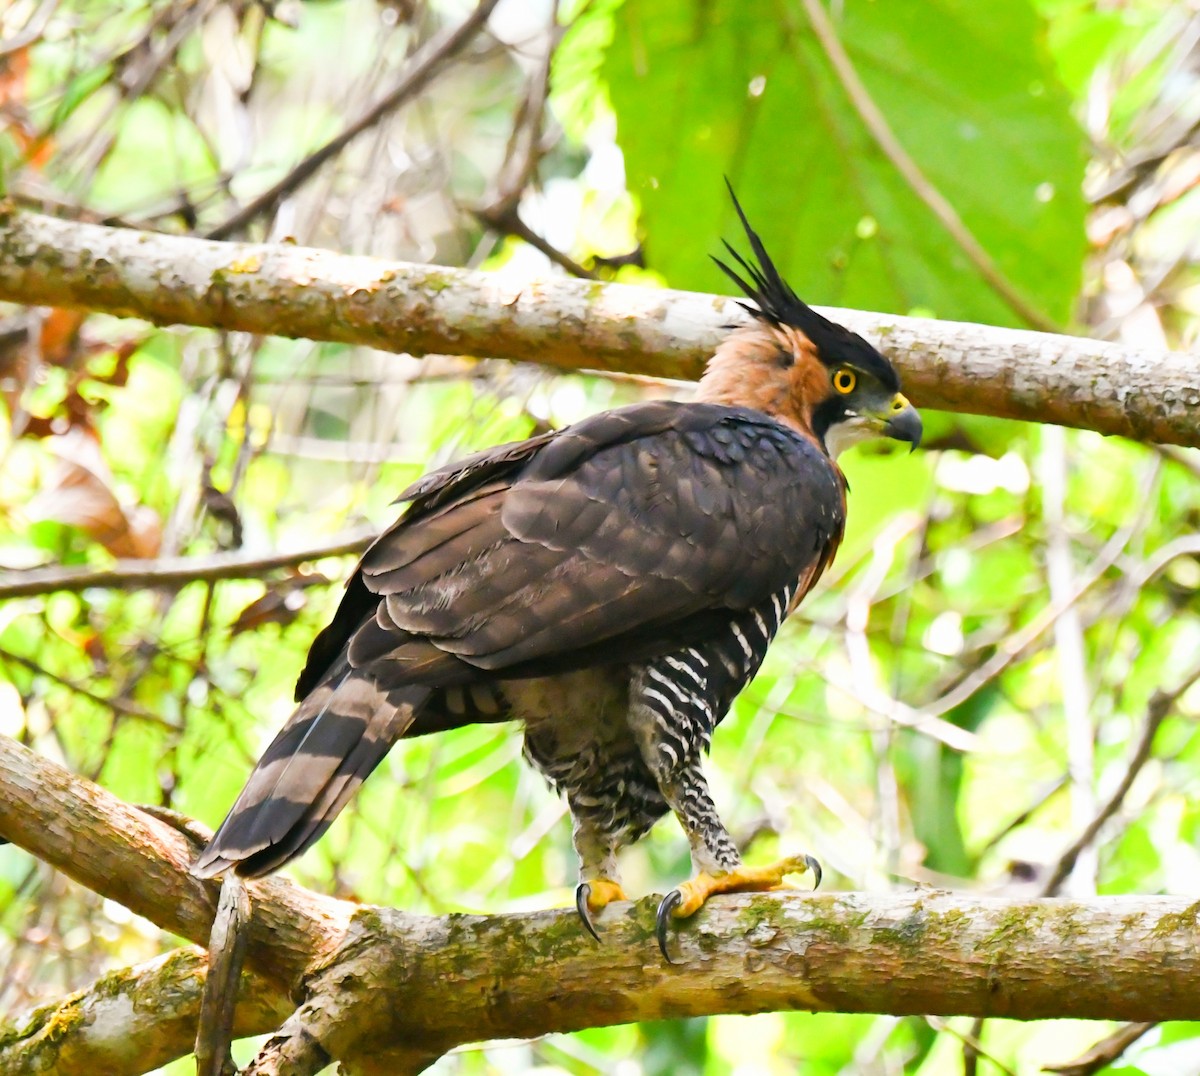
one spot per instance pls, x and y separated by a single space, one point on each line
1103 1053
425 65
175 572
501 212
117 706
1186 545
1182 456
1017 643
1024 816
875 122
507 221
970 1042
1160 706
176 22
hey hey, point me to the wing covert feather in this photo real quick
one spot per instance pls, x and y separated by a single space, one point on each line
635 520
617 538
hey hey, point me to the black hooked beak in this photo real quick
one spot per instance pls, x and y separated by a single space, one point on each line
904 423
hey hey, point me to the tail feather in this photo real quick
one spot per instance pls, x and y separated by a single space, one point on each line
329 746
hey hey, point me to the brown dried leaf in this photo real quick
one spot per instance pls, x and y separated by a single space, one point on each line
59 339
14 94
279 605
142 536
80 494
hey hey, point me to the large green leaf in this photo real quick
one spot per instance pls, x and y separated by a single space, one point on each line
703 88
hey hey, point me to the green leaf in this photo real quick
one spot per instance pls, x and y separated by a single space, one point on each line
78 91
706 88
933 776
678 1047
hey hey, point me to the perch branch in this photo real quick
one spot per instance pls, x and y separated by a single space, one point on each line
295 291
386 991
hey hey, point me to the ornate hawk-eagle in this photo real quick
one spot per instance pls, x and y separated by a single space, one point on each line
613 585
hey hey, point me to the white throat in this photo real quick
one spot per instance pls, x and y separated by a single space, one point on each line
848 433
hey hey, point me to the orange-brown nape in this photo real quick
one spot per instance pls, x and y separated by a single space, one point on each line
772 368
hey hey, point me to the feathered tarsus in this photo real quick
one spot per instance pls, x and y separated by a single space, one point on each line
613 585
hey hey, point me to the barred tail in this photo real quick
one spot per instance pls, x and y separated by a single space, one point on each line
338 734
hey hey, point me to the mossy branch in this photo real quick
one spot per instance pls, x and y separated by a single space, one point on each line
131 1020
384 991
287 290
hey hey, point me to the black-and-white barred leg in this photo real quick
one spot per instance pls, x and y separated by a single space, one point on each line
613 797
665 724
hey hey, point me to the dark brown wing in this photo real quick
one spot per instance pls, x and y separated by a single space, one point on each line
629 533
425 497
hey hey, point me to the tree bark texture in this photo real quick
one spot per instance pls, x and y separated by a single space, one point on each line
384 991
287 290
131 1021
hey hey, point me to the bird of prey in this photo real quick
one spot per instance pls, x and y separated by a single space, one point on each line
613 585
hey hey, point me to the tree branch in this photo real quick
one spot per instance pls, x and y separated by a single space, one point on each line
132 1020
140 861
395 306
174 572
463 978
1104 1053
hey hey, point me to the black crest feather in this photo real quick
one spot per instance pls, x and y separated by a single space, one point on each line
774 299
776 303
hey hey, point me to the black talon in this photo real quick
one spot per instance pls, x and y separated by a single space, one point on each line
815 867
668 904
582 892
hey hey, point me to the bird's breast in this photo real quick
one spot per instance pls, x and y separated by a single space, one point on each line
576 725
584 700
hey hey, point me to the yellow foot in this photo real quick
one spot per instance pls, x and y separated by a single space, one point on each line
691 895
592 896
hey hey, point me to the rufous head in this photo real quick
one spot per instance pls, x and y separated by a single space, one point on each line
801 368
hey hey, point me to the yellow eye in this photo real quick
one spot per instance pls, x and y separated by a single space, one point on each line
844 380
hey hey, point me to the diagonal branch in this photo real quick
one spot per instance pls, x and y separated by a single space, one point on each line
140 861
1160 706
1104 1053
286 290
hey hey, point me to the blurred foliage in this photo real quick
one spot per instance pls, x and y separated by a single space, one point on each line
982 113
953 706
